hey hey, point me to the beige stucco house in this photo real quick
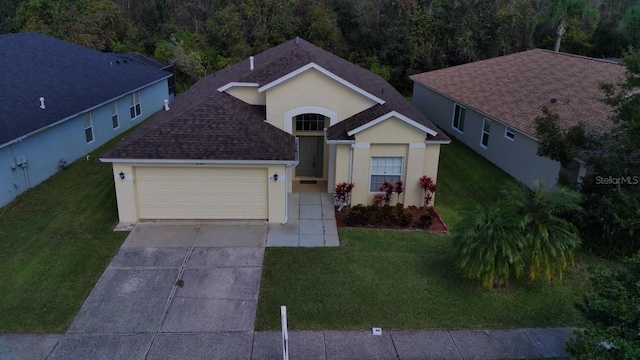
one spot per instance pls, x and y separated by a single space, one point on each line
293 118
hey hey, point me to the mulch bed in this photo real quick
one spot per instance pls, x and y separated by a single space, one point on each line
437 224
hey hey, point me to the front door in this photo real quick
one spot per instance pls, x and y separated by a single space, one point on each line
311 151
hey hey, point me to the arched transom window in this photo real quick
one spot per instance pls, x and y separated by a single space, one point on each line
310 122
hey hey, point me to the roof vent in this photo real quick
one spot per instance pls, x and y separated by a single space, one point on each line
251 67
554 100
297 40
42 103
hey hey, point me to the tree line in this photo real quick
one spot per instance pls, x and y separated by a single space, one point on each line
394 38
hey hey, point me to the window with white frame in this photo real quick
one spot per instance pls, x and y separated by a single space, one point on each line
134 105
310 122
114 116
88 128
458 117
509 133
385 168
486 130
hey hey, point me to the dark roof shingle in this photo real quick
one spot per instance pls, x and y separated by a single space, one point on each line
514 88
229 129
71 79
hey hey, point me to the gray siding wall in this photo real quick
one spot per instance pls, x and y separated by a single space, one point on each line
516 157
67 141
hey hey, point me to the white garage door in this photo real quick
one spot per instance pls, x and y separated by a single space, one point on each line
201 193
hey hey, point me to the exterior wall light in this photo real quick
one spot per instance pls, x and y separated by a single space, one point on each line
275 177
121 175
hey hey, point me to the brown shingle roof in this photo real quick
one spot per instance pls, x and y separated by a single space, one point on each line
204 123
514 88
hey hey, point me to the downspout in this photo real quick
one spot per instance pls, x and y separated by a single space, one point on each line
286 184
351 168
351 163
26 176
23 165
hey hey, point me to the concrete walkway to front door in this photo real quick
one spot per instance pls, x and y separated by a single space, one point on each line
311 222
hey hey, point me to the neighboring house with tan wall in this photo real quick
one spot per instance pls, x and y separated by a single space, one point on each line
293 118
491 105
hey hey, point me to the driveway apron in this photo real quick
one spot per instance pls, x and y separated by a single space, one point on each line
171 285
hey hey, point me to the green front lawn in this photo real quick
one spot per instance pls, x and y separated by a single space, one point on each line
406 279
55 241
401 280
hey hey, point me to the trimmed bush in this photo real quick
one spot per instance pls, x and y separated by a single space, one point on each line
425 221
357 216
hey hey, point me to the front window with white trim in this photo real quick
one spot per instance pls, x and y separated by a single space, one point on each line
134 105
486 130
510 133
88 128
458 117
385 168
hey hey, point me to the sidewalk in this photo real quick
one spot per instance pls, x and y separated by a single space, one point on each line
307 345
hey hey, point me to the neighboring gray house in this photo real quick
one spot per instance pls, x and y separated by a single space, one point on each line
491 105
61 101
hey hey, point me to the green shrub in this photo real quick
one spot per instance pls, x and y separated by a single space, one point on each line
388 216
357 216
425 221
405 219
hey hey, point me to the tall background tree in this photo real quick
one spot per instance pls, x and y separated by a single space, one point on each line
560 14
392 38
91 23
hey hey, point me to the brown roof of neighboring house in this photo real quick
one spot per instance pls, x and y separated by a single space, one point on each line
204 123
514 88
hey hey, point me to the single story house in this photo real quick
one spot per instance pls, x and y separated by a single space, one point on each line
62 101
292 118
491 105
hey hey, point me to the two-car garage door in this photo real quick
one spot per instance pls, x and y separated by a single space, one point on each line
201 193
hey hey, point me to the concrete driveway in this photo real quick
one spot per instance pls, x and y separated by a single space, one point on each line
173 287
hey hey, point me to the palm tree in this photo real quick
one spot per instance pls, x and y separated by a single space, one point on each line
559 11
550 239
489 246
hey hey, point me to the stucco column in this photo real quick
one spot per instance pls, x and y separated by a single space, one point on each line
277 191
125 193
431 159
342 163
415 169
361 173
